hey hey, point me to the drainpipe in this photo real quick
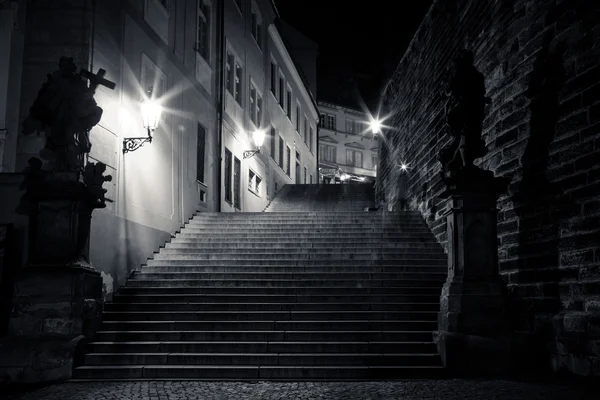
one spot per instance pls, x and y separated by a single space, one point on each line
221 95
318 177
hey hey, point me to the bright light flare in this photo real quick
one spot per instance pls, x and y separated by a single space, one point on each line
375 125
259 137
150 114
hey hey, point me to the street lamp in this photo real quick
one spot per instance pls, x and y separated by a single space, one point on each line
150 117
258 137
375 126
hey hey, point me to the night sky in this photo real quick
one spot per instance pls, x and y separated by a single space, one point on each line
358 41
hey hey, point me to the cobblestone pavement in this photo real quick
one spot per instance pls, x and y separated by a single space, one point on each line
415 390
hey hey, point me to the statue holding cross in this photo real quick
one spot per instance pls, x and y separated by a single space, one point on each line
65 110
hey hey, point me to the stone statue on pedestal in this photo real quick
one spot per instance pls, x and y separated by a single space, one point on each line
473 332
61 191
465 107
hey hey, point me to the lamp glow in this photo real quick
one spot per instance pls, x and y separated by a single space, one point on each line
150 114
259 137
375 126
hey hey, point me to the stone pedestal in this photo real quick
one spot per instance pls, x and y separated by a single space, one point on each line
472 325
58 295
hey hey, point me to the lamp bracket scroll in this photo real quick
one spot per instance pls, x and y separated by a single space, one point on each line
132 144
250 153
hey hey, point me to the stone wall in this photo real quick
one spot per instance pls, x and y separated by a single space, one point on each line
540 60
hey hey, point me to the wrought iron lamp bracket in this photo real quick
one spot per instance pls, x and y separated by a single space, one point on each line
250 153
134 143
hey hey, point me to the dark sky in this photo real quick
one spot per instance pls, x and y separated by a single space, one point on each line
360 41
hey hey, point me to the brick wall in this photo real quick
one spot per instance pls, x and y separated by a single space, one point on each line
540 60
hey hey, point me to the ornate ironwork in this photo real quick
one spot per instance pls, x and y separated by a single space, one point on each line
250 153
134 143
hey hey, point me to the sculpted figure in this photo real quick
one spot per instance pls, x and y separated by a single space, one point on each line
465 111
94 179
65 110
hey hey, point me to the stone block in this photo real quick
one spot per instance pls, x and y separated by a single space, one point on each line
576 322
57 327
470 355
25 326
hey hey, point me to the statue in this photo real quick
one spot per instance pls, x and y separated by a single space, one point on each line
94 179
65 110
61 194
465 109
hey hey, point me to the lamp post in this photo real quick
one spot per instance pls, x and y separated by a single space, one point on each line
151 112
258 137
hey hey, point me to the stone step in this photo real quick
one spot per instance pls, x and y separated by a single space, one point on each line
286 276
284 257
279 372
300 293
280 224
270 325
232 261
200 244
243 315
150 296
333 240
261 347
311 359
245 306
284 282
214 336
304 230
367 250
296 269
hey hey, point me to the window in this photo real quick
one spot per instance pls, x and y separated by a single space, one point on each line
203 31
273 142
237 166
200 150
327 153
255 106
227 166
375 162
281 145
322 120
288 167
330 122
273 78
298 118
256 27
311 139
289 103
238 84
305 172
354 158
349 126
254 182
229 63
305 128
281 90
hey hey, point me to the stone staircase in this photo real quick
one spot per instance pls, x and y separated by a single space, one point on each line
296 198
305 295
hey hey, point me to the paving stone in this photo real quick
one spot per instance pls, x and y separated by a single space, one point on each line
408 390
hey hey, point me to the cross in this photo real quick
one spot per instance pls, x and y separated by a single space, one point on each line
97 79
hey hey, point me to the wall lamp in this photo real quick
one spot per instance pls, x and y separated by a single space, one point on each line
150 116
259 137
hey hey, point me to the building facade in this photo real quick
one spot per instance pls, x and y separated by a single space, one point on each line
209 64
263 90
348 149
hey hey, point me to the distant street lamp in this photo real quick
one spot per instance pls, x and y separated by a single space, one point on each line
150 117
258 137
375 126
